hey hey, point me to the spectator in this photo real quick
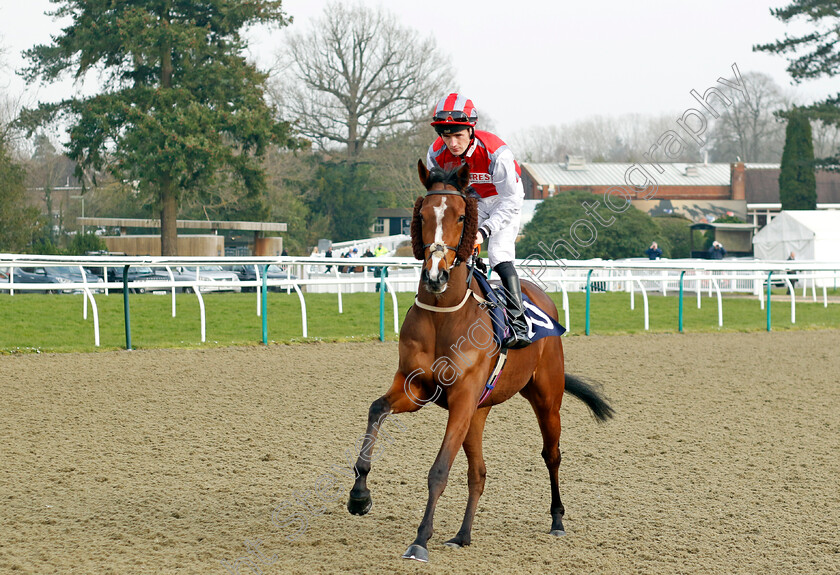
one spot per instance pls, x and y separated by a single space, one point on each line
329 254
315 254
345 269
380 271
717 251
653 252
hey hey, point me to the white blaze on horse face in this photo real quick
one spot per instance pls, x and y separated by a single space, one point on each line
437 254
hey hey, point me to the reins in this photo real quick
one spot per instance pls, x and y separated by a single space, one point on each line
450 309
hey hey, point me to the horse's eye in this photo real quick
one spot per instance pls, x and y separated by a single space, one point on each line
462 217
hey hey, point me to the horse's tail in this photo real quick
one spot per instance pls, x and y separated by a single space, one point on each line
589 394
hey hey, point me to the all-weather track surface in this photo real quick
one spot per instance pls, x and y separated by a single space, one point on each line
724 457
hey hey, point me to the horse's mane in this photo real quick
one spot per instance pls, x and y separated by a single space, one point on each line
447 177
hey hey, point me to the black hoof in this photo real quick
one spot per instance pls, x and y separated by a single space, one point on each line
416 552
359 506
557 532
457 542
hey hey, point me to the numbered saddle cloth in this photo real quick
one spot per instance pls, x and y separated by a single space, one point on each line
540 324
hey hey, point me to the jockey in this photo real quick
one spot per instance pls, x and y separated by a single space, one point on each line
495 177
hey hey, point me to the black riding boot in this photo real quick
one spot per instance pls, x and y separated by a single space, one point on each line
513 303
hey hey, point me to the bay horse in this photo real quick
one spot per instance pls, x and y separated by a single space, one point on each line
442 361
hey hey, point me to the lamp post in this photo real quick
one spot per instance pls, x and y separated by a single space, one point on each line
83 208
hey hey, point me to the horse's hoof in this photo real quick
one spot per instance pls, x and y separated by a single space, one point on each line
557 532
456 543
416 552
359 506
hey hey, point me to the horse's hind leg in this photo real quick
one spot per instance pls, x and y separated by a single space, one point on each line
545 394
476 473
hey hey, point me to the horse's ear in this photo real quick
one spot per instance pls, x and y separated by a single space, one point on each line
417 230
423 173
463 176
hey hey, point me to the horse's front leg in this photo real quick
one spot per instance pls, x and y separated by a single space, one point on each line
403 396
461 410
476 473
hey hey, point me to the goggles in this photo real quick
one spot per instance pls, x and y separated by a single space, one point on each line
456 115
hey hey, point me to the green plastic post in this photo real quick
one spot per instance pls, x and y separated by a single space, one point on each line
588 297
264 302
125 309
682 276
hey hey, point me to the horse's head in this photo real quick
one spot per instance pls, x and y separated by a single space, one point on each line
444 225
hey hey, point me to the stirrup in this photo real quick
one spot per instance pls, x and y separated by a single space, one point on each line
517 340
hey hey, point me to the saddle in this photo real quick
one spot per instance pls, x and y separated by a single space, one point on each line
540 324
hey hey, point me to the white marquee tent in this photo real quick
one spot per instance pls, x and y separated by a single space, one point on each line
810 234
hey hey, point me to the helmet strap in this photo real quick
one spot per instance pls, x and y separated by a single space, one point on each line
472 137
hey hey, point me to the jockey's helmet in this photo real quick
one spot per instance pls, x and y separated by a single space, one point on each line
454 113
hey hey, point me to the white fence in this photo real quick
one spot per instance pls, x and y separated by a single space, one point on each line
712 278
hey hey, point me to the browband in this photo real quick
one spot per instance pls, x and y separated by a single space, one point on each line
446 193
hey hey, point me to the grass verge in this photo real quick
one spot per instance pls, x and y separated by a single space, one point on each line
54 323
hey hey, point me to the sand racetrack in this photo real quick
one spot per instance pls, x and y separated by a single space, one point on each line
724 457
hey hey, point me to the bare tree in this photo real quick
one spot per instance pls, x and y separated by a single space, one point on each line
826 138
540 144
748 129
624 138
357 76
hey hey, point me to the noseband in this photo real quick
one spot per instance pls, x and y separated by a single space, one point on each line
456 261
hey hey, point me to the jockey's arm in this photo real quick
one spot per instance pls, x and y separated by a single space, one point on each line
431 164
511 194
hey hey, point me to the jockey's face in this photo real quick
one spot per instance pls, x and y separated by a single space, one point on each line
458 142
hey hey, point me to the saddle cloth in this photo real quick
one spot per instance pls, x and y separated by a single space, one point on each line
540 324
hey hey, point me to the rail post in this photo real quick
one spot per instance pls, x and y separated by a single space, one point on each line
769 285
125 308
382 306
682 277
588 297
264 302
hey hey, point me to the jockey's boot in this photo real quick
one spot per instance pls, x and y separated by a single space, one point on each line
513 303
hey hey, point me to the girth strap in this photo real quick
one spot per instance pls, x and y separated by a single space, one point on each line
494 377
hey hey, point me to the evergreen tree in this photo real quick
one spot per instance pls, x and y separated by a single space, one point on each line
797 182
812 53
344 199
180 109
19 222
675 236
560 218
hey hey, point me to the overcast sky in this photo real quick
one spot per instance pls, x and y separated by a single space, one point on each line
528 62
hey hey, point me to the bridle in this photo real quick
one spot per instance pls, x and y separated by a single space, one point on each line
456 261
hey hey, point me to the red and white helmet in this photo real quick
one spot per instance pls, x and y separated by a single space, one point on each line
454 110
